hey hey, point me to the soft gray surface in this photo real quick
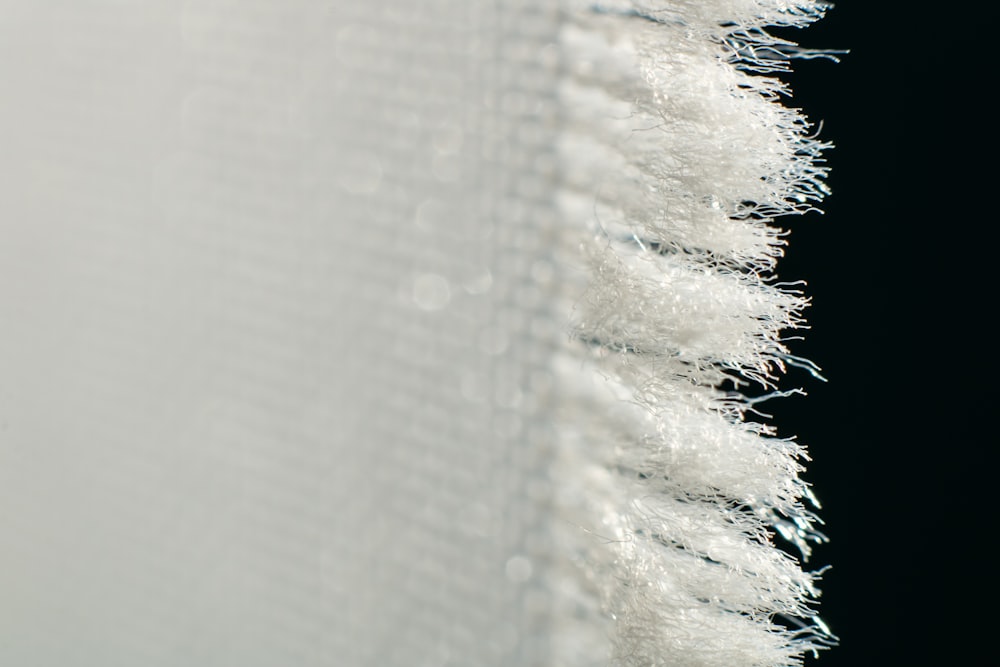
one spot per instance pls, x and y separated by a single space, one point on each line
272 343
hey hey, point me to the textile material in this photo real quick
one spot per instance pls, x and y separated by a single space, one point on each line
274 343
401 333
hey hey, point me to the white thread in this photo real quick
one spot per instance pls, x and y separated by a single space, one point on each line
677 155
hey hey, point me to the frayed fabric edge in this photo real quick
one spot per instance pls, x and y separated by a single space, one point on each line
678 154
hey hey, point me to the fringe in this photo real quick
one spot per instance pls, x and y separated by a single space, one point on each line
678 155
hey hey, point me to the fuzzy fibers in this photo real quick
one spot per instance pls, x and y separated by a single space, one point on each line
679 153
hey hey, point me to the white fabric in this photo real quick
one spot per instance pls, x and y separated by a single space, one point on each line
265 332
301 364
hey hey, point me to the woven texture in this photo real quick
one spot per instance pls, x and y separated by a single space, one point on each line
274 341
401 333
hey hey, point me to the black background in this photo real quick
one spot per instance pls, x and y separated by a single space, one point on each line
895 268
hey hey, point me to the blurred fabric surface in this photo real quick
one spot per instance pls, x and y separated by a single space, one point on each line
273 350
